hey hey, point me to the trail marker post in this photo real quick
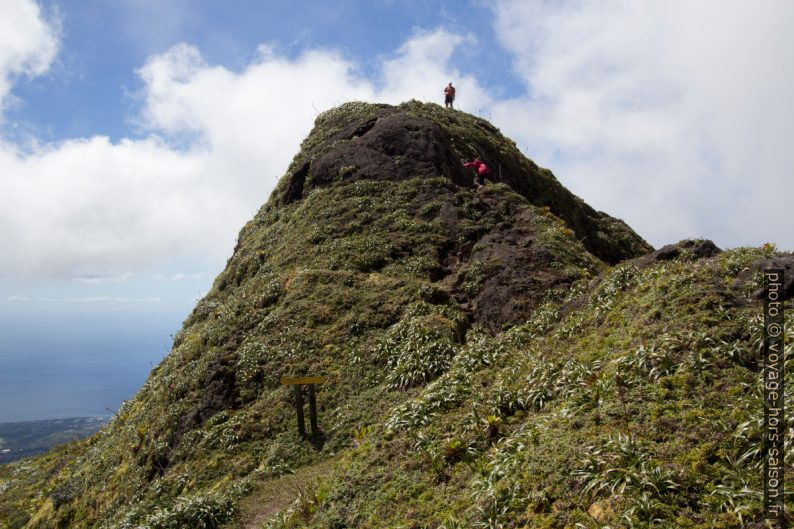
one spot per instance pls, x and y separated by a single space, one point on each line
299 383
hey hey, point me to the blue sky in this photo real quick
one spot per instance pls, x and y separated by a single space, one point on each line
91 86
137 136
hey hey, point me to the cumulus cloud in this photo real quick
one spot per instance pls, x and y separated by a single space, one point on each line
249 123
421 68
28 44
216 143
673 115
92 208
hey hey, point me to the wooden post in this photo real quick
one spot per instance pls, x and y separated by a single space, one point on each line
299 382
313 411
299 409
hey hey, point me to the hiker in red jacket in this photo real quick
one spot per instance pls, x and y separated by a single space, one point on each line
449 95
480 169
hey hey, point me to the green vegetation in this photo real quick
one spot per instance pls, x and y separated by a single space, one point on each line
486 368
613 415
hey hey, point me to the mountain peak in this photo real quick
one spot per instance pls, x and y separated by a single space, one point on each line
362 141
484 363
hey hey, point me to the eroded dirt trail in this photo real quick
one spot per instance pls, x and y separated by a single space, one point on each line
275 495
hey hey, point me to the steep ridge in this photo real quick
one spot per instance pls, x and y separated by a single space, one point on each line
486 365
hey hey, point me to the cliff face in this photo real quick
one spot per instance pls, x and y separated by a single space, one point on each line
485 363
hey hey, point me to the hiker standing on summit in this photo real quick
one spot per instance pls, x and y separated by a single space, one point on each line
449 95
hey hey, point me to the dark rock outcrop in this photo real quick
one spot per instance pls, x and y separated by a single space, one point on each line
380 142
396 146
219 393
696 248
782 262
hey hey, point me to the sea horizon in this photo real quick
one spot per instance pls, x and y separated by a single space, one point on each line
64 365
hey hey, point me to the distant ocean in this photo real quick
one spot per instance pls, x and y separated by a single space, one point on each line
77 364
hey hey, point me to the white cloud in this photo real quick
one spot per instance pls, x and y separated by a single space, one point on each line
91 208
17 297
88 207
420 69
674 115
187 277
27 43
85 299
251 122
111 299
97 280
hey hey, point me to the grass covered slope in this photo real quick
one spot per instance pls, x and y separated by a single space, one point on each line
346 283
633 401
486 365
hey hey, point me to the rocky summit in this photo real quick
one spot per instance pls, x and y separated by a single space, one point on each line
497 356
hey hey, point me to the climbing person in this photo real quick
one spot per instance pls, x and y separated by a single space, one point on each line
449 95
480 170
